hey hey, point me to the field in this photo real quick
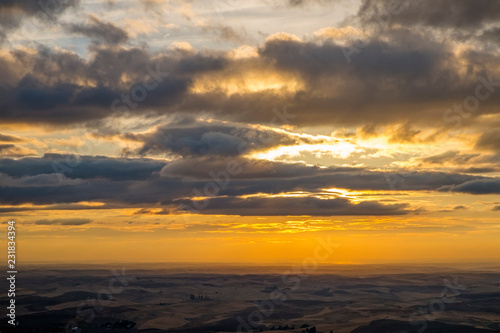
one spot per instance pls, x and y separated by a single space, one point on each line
341 299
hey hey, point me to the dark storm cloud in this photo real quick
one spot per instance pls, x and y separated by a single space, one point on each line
246 177
189 137
81 167
435 13
96 29
49 190
403 55
137 183
68 221
282 177
399 77
296 206
482 186
496 209
374 181
53 91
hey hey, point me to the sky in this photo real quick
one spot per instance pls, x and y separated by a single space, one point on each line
233 131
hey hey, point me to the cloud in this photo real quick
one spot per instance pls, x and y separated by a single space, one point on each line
453 157
295 3
139 183
295 206
399 77
491 35
60 87
81 167
12 12
227 33
478 170
96 29
10 138
244 168
15 151
189 137
68 207
404 134
398 67
39 180
404 77
477 187
67 222
490 140
301 3
6 147
146 211
496 209
460 14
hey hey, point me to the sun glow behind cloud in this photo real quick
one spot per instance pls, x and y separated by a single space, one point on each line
334 149
247 81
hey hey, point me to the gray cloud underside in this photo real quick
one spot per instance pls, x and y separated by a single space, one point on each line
295 206
398 77
139 183
81 167
481 186
190 137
